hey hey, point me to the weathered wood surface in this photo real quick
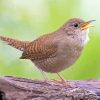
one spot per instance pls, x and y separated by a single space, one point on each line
13 88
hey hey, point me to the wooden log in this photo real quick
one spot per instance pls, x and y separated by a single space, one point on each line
13 88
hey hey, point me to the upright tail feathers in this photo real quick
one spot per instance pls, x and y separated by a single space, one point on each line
21 45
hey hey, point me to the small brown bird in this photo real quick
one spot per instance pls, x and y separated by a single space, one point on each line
55 51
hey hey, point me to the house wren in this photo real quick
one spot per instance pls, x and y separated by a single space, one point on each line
55 51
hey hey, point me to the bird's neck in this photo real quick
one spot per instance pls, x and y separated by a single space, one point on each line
84 37
78 39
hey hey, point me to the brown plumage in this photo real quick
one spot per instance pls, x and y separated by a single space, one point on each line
55 51
21 45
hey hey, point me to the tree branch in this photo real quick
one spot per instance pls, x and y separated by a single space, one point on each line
13 88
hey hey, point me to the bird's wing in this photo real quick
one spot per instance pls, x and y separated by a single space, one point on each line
42 48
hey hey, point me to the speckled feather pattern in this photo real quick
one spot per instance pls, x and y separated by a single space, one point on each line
41 48
55 51
21 45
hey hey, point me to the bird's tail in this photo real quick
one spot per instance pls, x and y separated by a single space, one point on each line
20 45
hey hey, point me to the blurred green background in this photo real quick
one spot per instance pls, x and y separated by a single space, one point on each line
28 19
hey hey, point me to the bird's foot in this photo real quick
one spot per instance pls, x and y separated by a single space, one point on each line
62 83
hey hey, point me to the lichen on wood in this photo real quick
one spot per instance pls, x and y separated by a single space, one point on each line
13 88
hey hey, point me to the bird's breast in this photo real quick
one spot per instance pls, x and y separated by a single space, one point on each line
65 56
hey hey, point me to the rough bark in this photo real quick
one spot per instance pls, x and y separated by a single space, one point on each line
13 88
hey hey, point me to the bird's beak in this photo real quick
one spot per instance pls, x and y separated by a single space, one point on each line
86 25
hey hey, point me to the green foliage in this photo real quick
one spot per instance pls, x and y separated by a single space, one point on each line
27 20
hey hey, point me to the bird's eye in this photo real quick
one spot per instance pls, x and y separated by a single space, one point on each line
76 25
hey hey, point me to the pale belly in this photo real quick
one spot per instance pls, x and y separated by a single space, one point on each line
56 64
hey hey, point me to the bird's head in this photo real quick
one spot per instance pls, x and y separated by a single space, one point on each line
77 26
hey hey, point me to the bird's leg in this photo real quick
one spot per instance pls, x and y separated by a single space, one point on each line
62 81
44 75
59 81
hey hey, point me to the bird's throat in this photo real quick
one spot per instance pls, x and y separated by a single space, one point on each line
85 37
